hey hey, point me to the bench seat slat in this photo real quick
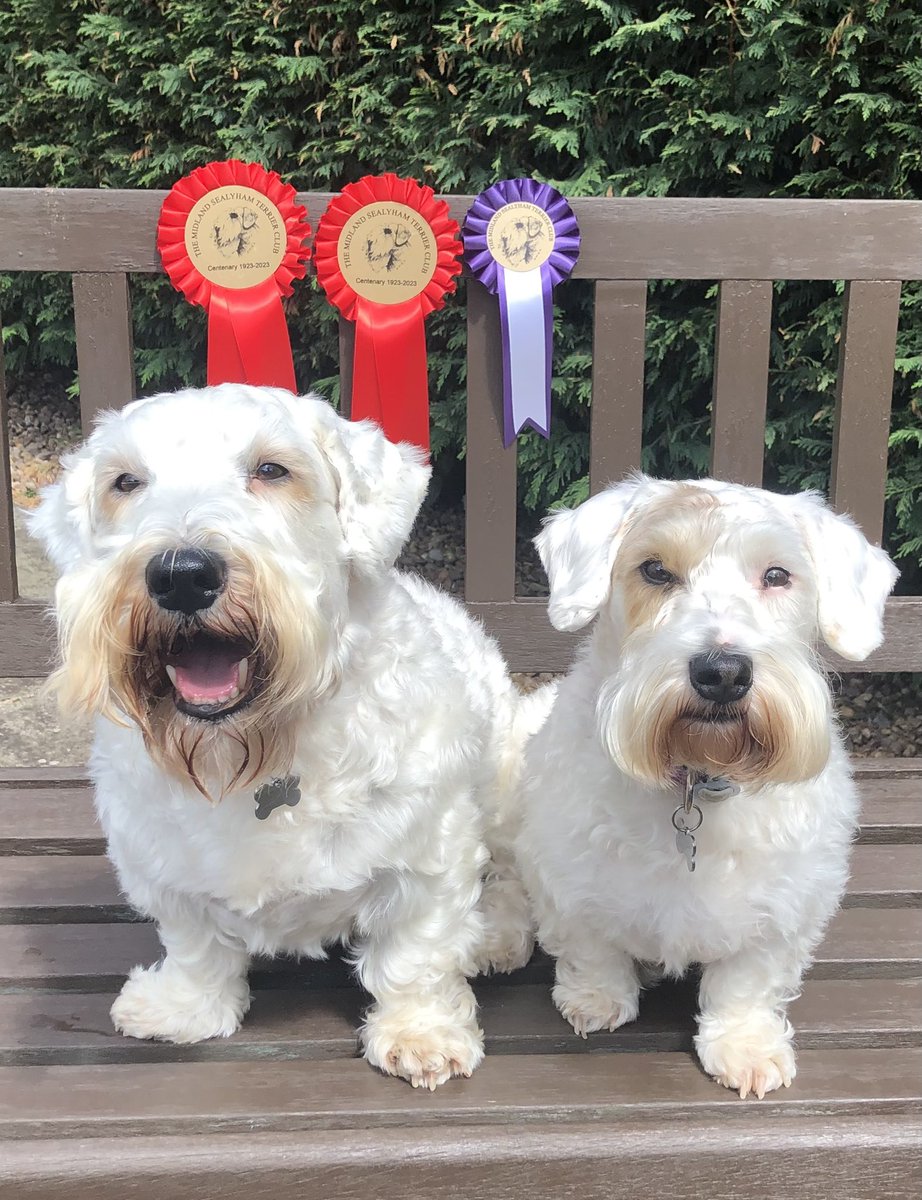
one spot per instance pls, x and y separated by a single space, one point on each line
61 820
70 887
316 1023
867 1158
212 1097
860 943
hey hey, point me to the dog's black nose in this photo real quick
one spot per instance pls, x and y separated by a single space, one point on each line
722 678
185 580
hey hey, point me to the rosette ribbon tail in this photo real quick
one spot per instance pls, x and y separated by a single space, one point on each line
526 310
248 338
390 373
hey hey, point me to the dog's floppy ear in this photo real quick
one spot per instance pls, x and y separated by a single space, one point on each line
578 548
853 578
380 487
62 522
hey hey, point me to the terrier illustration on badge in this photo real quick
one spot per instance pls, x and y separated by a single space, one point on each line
688 799
521 245
233 236
296 746
384 251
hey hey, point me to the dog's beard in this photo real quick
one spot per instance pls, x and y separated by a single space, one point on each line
204 718
650 723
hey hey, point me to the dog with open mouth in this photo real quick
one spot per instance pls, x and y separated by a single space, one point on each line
295 745
688 799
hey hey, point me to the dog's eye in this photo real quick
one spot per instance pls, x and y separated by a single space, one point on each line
654 572
127 483
776 577
269 471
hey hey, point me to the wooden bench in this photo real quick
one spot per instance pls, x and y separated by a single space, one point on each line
285 1108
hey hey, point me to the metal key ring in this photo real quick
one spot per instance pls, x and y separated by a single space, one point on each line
687 828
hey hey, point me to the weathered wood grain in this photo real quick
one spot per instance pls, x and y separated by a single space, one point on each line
78 229
867 351
616 414
744 316
314 1024
490 508
172 1098
62 820
105 343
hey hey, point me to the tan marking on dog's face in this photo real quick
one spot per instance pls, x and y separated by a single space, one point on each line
110 502
678 530
297 489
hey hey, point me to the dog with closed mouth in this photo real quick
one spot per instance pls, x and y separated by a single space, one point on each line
295 745
688 799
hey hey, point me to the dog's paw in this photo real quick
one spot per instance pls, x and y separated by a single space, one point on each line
749 1061
508 937
590 1009
425 1056
153 1004
505 948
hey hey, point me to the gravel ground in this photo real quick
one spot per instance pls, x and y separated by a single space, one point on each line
880 714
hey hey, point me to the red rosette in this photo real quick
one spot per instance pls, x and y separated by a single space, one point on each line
387 255
231 237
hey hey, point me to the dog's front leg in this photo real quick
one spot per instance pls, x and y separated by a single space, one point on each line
596 985
744 1037
198 990
420 944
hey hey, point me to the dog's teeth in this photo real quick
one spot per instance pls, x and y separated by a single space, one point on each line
171 671
243 670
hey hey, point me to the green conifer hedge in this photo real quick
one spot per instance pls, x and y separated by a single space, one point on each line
716 98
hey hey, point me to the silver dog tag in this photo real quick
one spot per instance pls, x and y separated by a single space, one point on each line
687 846
685 825
273 795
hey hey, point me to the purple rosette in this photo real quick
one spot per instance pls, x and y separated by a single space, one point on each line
520 240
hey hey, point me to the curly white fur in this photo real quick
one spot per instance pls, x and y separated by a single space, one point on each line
598 849
391 705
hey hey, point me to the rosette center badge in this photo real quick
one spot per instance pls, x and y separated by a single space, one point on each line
387 253
521 236
235 237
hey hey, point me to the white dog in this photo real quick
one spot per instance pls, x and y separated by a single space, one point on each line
295 745
689 800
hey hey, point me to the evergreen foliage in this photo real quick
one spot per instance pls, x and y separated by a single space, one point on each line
812 98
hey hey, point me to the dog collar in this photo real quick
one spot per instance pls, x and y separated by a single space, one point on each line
687 818
275 793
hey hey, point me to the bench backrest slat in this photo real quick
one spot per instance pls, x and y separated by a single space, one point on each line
864 389
619 335
491 469
105 344
346 361
744 316
9 586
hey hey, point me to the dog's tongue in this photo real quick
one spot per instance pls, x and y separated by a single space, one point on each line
207 672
